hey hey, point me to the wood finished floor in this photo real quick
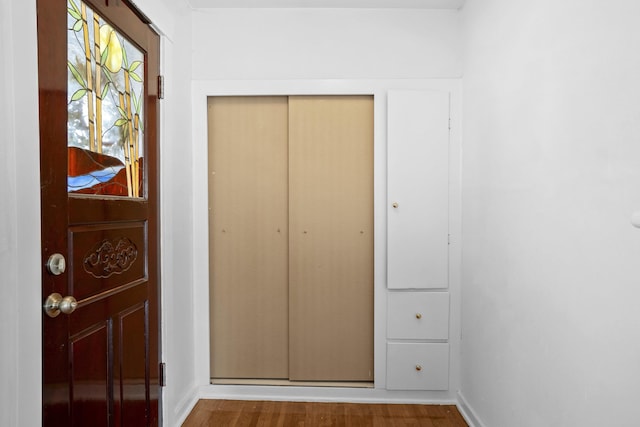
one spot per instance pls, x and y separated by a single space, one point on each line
302 414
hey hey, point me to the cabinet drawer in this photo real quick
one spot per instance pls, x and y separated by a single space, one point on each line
417 366
418 315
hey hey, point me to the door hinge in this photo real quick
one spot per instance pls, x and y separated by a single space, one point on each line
448 239
160 87
449 123
163 374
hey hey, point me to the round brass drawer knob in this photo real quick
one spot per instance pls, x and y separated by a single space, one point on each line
418 368
418 316
395 204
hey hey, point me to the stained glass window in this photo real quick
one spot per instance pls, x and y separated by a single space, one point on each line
105 95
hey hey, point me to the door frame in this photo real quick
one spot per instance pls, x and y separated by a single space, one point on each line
203 89
23 358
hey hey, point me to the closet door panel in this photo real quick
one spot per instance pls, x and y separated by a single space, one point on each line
418 188
331 238
248 237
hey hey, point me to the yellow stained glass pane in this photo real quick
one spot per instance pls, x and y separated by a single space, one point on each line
105 95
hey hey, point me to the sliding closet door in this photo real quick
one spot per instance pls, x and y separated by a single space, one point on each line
248 237
331 238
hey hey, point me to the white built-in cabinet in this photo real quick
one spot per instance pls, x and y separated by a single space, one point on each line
418 126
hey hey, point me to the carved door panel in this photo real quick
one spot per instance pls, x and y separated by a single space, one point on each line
98 74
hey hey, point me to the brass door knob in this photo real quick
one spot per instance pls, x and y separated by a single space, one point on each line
395 205
418 316
418 368
56 304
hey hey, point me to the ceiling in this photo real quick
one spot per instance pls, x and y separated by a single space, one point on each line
344 4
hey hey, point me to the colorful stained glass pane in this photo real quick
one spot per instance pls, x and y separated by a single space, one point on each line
105 95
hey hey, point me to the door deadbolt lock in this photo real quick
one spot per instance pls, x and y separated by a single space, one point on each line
56 264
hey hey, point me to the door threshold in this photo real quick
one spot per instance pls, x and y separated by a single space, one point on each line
276 382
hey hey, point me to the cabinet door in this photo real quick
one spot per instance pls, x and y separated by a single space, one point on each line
418 188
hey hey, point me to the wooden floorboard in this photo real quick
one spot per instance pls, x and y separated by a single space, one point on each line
243 413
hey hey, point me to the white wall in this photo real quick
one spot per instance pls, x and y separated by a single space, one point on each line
268 44
551 172
19 216
323 51
8 217
177 229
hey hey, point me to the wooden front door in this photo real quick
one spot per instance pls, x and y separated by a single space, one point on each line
98 92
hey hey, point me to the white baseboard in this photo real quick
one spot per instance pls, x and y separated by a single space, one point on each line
468 413
325 394
185 406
